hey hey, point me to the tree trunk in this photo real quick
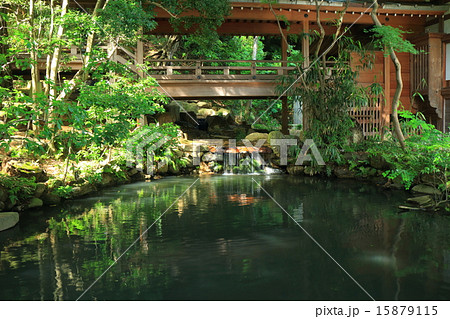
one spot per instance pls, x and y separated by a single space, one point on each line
398 77
5 70
83 73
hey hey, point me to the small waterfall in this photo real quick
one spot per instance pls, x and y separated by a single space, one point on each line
242 160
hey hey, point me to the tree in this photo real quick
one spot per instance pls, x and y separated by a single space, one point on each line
391 40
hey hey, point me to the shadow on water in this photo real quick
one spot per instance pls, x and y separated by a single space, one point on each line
225 239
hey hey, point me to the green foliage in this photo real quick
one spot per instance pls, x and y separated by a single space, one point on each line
427 152
64 191
327 93
391 37
19 188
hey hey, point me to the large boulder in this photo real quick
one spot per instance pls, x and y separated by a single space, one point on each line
378 162
83 190
209 157
426 189
35 202
3 194
254 137
190 118
40 189
26 170
206 112
275 135
8 220
173 108
50 199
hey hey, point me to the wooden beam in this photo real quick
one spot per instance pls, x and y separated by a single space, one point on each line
386 111
305 43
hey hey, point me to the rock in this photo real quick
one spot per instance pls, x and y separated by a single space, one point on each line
8 220
429 179
295 170
426 189
50 199
206 112
26 170
378 162
3 194
173 108
2 206
204 104
108 179
35 202
208 157
274 135
163 168
421 201
344 172
254 137
40 189
230 119
174 169
83 190
132 171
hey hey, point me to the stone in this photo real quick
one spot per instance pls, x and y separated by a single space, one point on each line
40 189
83 190
344 172
26 170
2 206
108 179
173 108
8 220
274 135
35 202
426 189
132 171
421 201
254 137
3 194
163 168
50 199
378 162
208 157
295 170
174 169
206 112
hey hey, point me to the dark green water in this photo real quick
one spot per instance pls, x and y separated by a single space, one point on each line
225 239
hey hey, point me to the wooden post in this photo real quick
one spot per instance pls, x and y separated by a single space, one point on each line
386 111
305 43
284 104
140 57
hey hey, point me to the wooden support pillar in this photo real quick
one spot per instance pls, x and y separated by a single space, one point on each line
284 115
139 61
140 57
305 43
284 102
386 110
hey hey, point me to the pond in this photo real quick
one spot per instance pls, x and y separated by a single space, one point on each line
226 239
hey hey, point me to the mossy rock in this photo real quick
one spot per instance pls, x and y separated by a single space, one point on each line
8 220
35 202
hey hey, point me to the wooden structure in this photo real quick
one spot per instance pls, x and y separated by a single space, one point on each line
256 79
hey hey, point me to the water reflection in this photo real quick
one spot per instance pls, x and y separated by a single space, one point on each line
226 240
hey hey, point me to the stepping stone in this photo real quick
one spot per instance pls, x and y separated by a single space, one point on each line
8 220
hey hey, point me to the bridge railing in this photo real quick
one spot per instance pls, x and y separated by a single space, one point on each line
247 70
